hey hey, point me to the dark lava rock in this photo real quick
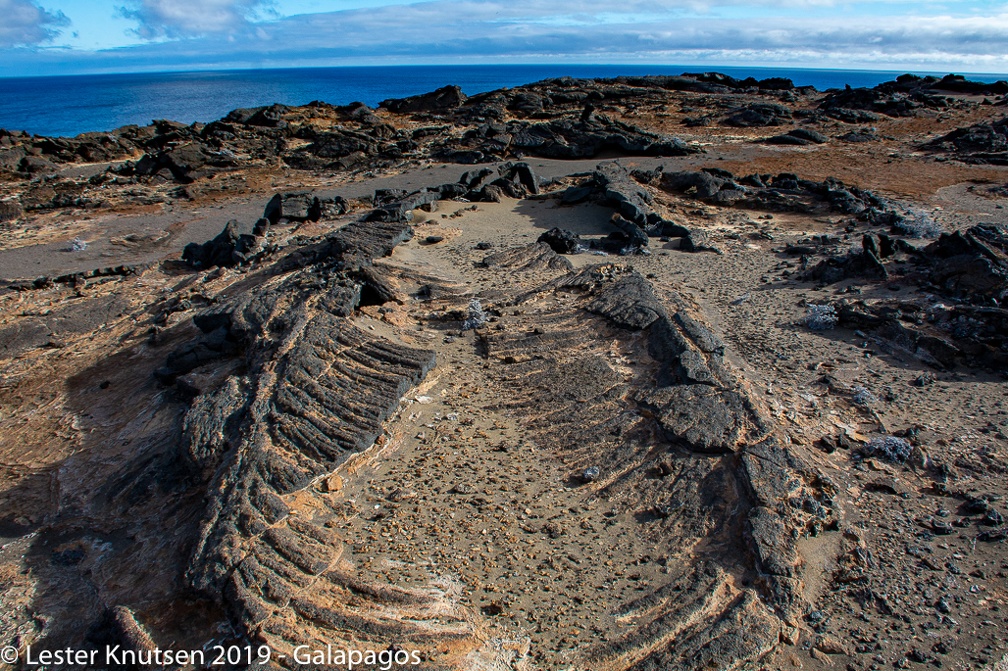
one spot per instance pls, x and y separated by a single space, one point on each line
238 243
536 256
707 82
799 137
517 180
702 411
36 165
293 207
889 448
360 112
345 148
185 164
702 121
476 179
614 187
966 267
88 147
333 207
633 234
490 193
758 114
984 143
576 194
118 628
269 117
901 97
83 315
259 117
562 241
564 139
10 158
773 553
630 303
445 99
868 262
857 105
698 240
957 84
80 278
785 192
866 135
711 185
851 115
401 209
618 190
972 265
298 447
215 345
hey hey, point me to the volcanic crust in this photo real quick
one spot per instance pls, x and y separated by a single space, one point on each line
645 373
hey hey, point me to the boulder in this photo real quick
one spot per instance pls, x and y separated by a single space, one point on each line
445 99
634 234
618 190
698 240
186 163
537 256
980 143
758 114
293 207
238 243
10 158
900 98
972 265
864 135
36 165
396 206
799 137
562 241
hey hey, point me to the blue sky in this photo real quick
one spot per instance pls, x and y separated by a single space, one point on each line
42 37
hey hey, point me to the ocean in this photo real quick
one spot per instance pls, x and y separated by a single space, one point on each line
68 105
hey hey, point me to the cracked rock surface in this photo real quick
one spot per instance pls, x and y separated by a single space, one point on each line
505 411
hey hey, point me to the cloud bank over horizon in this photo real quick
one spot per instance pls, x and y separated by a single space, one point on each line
46 38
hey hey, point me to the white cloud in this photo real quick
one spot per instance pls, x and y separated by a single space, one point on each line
185 18
24 23
886 35
519 28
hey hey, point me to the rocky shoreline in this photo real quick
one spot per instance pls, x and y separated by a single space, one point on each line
640 373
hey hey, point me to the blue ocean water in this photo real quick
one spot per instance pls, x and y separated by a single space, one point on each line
68 105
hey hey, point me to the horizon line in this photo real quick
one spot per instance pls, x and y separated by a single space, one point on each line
706 67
